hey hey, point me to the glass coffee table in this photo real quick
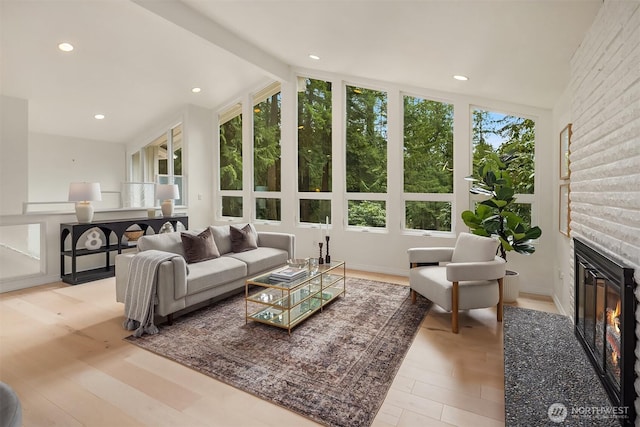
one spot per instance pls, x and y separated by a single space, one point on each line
287 304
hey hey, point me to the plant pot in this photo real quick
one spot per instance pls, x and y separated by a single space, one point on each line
511 288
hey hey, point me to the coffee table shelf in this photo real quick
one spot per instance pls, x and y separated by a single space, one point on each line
287 304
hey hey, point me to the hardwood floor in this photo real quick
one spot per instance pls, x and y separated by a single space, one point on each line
62 350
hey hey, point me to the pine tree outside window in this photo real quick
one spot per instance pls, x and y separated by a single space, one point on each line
314 150
366 155
428 164
267 153
230 169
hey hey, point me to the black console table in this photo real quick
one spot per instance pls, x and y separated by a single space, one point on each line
118 227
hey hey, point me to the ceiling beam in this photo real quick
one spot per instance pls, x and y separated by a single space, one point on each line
182 15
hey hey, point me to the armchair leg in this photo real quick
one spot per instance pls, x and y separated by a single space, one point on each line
413 293
454 308
500 286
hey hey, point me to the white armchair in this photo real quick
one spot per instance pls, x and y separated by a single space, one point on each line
461 278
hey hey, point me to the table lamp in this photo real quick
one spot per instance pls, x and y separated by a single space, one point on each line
83 193
167 193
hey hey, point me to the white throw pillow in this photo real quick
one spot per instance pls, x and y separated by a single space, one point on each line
473 248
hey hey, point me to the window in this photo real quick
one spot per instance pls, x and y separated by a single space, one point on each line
266 152
176 134
159 162
136 167
367 213
314 150
366 155
428 164
423 215
165 160
230 171
507 135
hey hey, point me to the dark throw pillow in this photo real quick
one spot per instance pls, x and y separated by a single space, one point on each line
199 247
243 239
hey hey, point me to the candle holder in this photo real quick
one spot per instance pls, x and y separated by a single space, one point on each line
320 259
327 258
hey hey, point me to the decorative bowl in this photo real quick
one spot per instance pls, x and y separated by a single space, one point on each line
133 235
297 262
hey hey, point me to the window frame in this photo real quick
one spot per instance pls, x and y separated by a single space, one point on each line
361 196
427 197
256 98
314 195
523 199
225 115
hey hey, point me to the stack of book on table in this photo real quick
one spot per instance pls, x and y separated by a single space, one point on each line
288 274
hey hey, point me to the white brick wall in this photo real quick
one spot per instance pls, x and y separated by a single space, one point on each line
605 146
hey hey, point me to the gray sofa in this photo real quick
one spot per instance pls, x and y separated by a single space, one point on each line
181 285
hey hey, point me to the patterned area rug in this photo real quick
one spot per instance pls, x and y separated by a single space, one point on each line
548 379
335 368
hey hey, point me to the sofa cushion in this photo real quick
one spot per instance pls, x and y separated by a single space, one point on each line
473 248
168 242
222 237
200 247
261 259
243 239
214 272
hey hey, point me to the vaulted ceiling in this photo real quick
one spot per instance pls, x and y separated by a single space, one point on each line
137 61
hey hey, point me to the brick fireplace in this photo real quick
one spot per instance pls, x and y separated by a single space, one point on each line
605 322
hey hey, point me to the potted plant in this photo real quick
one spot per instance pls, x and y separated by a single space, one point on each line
497 215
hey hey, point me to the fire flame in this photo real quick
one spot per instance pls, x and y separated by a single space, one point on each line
613 320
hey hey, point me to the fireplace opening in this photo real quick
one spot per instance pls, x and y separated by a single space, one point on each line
605 322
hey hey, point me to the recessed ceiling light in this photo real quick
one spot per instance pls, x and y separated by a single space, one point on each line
461 78
99 116
65 47
312 56
195 90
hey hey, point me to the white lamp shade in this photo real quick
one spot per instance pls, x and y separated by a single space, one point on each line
84 192
167 192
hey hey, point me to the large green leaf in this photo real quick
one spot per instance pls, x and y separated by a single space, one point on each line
512 219
524 248
471 220
505 193
505 244
534 233
494 203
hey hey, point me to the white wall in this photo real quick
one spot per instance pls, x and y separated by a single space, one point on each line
13 154
40 168
605 148
55 161
562 284
198 155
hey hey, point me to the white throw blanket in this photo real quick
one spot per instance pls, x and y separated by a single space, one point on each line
140 294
